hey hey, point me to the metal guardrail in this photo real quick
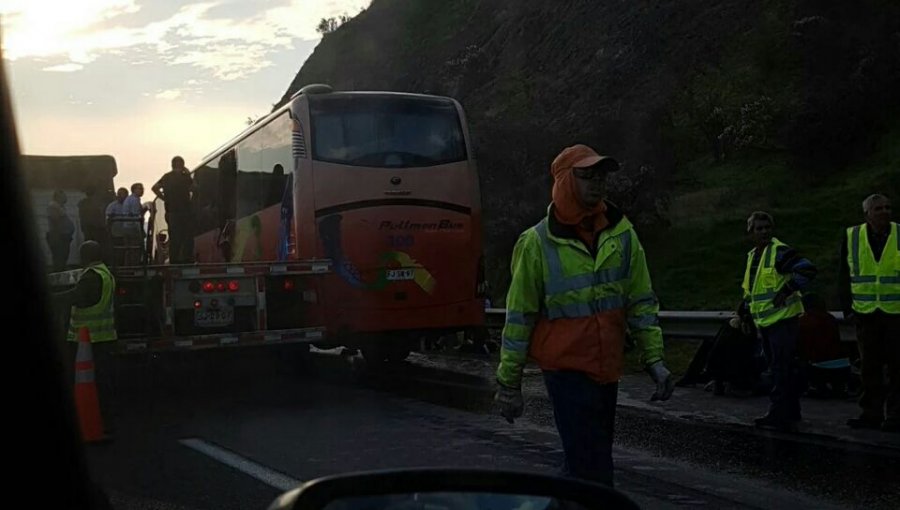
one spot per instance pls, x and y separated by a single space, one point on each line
697 325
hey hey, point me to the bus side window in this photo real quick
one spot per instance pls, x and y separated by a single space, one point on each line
205 197
276 186
227 188
265 162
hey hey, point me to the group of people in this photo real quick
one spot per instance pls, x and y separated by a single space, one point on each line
580 285
91 300
125 218
869 289
119 222
735 362
118 225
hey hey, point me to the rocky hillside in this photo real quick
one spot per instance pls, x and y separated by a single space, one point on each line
680 92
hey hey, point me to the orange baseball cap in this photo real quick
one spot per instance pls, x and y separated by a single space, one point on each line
580 156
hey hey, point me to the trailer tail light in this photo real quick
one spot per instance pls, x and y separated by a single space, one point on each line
288 284
209 286
234 286
220 287
197 304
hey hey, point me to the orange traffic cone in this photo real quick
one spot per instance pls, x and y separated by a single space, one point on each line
86 400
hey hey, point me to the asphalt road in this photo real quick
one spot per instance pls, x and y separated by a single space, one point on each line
233 429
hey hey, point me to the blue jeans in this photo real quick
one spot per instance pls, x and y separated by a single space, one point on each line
786 369
585 413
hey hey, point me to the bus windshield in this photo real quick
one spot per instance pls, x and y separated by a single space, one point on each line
386 132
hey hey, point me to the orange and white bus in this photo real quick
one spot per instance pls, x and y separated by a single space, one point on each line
382 184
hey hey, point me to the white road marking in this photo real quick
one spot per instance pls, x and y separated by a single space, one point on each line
262 473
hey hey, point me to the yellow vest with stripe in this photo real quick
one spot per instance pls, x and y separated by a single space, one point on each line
766 284
98 318
874 285
560 290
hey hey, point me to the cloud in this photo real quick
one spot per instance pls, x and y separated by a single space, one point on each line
47 28
64 68
183 90
228 60
216 37
169 94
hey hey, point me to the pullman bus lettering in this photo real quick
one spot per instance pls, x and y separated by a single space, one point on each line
415 226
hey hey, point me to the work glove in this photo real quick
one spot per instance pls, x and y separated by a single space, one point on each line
740 324
663 379
510 402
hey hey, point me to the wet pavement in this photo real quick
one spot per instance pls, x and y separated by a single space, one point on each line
233 429
823 419
826 458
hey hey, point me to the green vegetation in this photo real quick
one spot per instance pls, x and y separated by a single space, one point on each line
782 122
741 100
715 108
430 24
698 262
329 25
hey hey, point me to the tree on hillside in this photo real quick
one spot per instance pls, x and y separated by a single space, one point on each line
329 25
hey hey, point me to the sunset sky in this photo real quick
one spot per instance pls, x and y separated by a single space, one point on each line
145 80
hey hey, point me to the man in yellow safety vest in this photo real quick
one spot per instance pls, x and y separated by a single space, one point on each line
870 296
774 276
92 306
580 283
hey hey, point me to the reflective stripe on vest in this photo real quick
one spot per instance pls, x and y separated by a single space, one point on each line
766 284
99 318
874 285
589 292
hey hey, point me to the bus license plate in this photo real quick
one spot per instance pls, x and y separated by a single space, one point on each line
400 274
213 318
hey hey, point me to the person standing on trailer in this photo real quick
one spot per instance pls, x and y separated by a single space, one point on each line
174 188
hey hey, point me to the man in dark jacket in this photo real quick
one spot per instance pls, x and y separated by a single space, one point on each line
175 188
60 230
